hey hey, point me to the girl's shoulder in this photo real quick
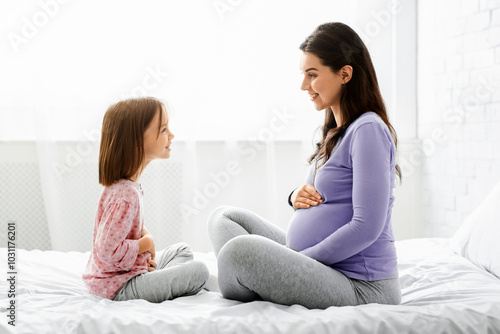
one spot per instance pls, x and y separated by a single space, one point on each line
122 190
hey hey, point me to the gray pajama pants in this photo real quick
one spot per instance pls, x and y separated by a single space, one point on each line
176 275
255 264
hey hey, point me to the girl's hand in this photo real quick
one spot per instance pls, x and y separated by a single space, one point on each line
151 248
305 196
146 244
152 265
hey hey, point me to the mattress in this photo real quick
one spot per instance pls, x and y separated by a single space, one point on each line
442 292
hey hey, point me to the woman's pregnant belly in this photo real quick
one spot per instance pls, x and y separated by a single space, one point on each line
309 227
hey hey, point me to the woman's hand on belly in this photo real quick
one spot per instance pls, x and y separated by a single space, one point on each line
305 196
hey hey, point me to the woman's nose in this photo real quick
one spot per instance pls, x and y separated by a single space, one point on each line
304 85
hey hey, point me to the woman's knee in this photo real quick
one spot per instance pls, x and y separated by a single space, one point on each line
240 249
216 215
235 265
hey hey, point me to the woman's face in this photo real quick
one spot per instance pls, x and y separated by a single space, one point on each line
320 82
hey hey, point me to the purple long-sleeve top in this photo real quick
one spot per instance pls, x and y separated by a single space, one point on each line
351 230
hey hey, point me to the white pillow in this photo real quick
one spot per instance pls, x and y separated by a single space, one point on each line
478 238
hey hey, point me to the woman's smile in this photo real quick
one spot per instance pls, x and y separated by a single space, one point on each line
313 96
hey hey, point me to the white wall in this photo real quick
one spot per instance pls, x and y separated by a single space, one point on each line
52 195
459 108
180 193
60 79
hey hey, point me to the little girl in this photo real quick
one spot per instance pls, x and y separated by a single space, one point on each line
123 264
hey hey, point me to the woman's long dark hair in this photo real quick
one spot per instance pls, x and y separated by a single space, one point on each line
337 45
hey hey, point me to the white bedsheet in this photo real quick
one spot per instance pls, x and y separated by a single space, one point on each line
442 293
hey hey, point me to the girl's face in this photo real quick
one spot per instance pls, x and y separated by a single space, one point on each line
157 145
321 83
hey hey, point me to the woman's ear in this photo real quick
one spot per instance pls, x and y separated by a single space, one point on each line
346 73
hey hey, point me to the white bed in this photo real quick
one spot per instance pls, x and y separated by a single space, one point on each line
448 286
442 293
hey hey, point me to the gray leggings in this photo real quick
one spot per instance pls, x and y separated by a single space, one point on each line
254 264
176 275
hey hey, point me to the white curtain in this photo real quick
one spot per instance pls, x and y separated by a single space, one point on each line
230 72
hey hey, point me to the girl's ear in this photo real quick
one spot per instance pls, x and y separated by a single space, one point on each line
346 73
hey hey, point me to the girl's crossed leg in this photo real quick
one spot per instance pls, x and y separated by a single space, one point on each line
176 275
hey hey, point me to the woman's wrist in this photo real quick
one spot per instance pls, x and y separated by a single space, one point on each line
290 199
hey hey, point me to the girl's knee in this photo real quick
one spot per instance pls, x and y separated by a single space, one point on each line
182 249
198 271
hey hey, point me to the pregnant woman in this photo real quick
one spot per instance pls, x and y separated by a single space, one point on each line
339 249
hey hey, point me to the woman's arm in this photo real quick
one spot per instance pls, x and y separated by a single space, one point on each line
290 197
371 154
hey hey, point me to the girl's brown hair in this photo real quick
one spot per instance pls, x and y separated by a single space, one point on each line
337 45
121 153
